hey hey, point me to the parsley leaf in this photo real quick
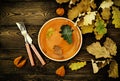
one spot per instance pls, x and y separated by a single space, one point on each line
66 32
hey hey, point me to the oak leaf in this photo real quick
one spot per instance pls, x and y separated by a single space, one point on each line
98 51
87 29
81 7
89 18
106 13
100 28
116 2
106 4
116 17
62 1
113 70
110 45
77 65
66 33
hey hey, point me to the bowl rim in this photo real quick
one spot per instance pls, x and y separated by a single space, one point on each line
66 58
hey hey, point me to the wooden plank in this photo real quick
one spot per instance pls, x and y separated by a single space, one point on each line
11 54
11 37
8 69
32 13
12 44
25 0
7 66
48 69
78 77
38 72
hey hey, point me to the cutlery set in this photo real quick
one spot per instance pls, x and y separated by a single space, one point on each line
28 44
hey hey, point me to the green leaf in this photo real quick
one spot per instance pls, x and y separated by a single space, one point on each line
66 32
100 27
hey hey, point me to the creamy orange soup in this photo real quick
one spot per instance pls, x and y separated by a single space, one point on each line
47 43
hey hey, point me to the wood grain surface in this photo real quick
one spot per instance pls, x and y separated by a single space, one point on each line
34 13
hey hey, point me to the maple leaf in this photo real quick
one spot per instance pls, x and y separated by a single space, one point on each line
89 17
106 4
77 65
116 17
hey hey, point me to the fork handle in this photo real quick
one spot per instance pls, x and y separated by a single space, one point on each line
37 54
29 54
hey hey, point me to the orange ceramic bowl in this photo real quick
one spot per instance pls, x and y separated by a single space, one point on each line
50 36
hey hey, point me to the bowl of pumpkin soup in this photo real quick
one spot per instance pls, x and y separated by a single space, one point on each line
59 39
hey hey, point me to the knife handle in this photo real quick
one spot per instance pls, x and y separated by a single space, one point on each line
29 54
38 55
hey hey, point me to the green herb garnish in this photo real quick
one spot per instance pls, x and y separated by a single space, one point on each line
66 32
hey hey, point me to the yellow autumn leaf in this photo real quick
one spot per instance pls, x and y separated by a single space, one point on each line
98 51
89 18
62 1
116 17
110 45
106 4
113 71
87 29
116 2
77 65
82 6
106 13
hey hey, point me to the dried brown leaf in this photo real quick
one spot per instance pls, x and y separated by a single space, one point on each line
98 51
106 13
82 6
110 45
113 71
62 1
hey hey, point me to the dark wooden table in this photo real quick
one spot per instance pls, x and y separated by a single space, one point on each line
34 13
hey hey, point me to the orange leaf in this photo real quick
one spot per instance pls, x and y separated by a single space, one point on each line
60 71
19 63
